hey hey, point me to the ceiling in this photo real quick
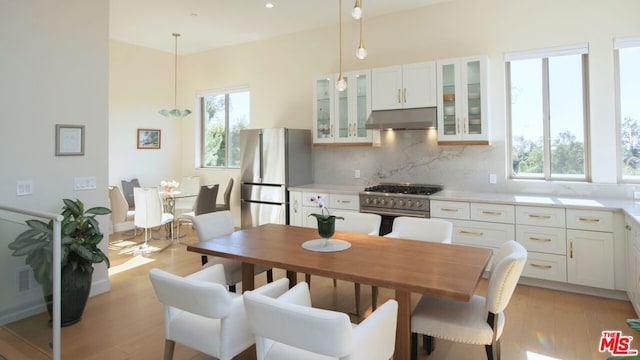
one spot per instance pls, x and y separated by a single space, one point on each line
207 24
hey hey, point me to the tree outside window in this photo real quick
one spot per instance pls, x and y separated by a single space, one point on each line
629 93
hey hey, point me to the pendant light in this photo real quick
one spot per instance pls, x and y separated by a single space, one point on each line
356 13
361 52
341 83
175 112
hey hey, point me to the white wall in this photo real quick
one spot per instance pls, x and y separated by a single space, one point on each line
54 70
279 73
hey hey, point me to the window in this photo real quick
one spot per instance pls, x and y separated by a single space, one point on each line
547 109
222 115
628 55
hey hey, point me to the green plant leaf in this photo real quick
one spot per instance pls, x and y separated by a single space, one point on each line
75 207
634 324
99 210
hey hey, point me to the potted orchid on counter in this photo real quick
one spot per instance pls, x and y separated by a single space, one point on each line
326 221
169 186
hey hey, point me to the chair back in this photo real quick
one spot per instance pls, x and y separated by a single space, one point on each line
227 195
118 204
299 326
188 185
506 271
413 228
127 190
213 224
363 223
149 209
206 200
204 298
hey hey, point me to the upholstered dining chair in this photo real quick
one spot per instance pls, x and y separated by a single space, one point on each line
121 217
287 327
220 223
200 313
204 203
227 197
127 190
188 185
149 213
480 321
414 228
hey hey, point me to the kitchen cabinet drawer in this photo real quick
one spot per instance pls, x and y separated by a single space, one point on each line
344 202
540 216
449 209
546 267
592 220
306 199
542 239
481 233
493 213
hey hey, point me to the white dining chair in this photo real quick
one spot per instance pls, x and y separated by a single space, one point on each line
220 223
288 327
189 185
480 321
200 313
414 228
149 213
122 219
205 202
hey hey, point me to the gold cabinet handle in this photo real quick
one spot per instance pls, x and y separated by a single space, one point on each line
571 249
588 219
539 239
457 125
474 233
489 212
399 100
353 130
541 266
449 209
295 206
344 201
466 125
331 130
535 216
405 95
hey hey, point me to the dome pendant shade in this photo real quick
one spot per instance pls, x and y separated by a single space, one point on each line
175 112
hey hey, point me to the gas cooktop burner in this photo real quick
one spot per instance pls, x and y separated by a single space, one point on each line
410 189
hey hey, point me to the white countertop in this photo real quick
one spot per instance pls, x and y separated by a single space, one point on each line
336 189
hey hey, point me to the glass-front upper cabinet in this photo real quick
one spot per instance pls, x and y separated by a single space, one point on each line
462 101
323 109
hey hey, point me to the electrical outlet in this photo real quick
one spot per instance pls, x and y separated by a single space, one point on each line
493 179
357 174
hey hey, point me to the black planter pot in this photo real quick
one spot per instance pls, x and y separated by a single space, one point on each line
74 292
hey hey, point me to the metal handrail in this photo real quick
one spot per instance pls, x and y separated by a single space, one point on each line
57 276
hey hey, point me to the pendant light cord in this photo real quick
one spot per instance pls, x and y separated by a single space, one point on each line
340 33
175 72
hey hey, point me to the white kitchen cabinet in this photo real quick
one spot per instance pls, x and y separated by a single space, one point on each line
295 208
333 201
346 111
462 100
632 237
404 86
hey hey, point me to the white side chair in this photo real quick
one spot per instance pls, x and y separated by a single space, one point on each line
480 321
149 213
289 328
359 223
200 313
121 217
413 228
220 223
189 185
204 203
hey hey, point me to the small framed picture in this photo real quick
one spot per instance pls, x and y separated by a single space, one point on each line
148 138
69 140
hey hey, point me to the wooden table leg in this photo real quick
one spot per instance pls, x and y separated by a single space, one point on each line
403 331
247 276
293 278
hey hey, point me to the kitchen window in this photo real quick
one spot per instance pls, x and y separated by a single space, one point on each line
627 52
222 115
547 107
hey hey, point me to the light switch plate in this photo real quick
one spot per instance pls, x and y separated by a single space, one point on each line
84 183
493 179
24 187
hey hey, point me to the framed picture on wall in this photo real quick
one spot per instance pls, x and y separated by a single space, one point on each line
148 138
69 140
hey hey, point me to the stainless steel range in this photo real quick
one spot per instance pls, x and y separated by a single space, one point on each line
397 199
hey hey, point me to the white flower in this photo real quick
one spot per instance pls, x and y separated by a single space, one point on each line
169 184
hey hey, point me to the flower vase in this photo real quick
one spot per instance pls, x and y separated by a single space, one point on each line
326 226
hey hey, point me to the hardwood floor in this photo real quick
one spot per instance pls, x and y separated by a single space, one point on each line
127 322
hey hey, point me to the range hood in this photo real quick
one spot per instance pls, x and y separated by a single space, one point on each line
403 119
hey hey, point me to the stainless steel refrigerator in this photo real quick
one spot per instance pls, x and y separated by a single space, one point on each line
271 160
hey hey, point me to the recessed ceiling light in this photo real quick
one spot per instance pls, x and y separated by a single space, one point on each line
269 5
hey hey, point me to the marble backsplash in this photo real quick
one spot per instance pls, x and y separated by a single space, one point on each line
414 156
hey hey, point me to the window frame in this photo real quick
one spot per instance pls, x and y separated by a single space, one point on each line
621 43
200 124
544 55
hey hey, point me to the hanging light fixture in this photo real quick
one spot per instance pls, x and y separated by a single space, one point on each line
341 83
175 112
357 10
361 52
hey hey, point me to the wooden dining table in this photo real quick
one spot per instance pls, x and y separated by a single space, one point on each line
406 266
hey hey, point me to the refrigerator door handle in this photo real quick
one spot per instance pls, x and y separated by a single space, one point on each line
260 175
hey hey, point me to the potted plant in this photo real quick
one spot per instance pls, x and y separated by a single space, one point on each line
80 236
